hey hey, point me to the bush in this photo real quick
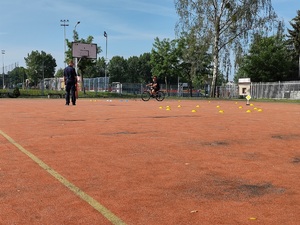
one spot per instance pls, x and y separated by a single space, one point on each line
16 92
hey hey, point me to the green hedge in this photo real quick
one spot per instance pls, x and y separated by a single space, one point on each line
36 93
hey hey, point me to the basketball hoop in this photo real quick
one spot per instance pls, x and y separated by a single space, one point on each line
83 50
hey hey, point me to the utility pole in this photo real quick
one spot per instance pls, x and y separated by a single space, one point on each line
64 23
3 52
105 35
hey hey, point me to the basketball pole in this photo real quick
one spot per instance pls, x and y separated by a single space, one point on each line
74 38
76 59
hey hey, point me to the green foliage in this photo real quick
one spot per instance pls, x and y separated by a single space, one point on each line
225 25
59 73
39 65
117 68
86 67
97 69
195 61
294 40
31 93
294 33
37 93
145 68
185 58
17 75
164 59
268 60
16 92
133 72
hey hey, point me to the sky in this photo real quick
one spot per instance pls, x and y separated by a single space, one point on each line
131 26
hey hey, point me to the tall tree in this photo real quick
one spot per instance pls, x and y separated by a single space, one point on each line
59 73
117 69
39 65
133 69
268 60
145 67
164 59
194 59
18 75
294 37
97 69
223 23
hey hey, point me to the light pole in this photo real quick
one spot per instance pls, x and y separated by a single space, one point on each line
76 61
75 29
3 52
105 35
65 23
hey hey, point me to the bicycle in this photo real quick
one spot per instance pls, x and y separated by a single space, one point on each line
146 95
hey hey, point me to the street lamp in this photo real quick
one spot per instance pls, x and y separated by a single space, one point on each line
105 35
3 52
75 29
64 24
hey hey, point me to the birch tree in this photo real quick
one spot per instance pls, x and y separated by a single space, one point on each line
224 24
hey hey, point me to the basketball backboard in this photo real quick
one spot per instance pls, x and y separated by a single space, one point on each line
80 50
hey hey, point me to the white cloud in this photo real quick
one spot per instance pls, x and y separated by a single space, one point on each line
131 25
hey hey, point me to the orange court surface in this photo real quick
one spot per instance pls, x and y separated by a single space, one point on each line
176 162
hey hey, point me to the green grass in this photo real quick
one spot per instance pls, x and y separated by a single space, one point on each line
36 93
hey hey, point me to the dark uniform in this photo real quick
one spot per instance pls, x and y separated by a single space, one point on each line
157 86
70 78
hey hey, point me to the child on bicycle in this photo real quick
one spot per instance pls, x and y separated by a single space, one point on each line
155 87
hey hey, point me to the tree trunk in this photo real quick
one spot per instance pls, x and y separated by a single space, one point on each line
191 88
299 68
166 82
190 81
216 58
216 68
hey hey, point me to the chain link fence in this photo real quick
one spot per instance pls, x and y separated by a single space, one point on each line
96 84
269 90
276 90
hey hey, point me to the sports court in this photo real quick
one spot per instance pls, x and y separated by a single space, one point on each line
118 161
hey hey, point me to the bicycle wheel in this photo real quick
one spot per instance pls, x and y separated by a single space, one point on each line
145 96
160 96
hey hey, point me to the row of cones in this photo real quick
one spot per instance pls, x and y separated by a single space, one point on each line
168 108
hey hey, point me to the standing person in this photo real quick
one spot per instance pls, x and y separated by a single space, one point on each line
70 78
154 86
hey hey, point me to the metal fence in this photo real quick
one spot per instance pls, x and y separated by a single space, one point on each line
171 90
270 90
96 84
51 83
230 90
276 90
177 90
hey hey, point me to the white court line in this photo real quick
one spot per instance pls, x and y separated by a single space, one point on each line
87 198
